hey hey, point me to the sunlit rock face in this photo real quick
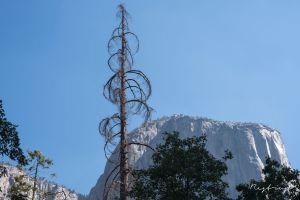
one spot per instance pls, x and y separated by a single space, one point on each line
55 192
249 143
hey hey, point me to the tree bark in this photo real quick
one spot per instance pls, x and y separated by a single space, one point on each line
35 180
123 147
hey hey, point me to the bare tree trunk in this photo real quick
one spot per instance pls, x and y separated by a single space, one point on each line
128 89
123 148
35 180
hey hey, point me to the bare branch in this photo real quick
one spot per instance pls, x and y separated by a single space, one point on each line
110 174
141 144
61 195
111 89
106 148
141 107
143 95
112 186
143 77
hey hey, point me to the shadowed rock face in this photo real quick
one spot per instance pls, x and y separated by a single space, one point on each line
249 143
56 192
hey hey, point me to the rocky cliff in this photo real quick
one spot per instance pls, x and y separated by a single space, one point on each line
55 192
249 143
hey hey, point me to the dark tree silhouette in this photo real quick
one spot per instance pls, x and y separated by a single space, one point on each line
128 89
279 182
10 142
182 169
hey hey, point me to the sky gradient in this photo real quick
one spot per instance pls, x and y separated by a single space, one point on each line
225 60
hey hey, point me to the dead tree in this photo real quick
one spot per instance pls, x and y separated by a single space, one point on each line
128 89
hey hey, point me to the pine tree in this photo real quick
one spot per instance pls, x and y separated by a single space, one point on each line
26 185
38 162
128 89
182 169
279 183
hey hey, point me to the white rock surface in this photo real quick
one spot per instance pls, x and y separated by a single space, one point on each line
58 192
249 143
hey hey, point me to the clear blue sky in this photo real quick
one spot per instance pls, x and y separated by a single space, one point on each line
227 60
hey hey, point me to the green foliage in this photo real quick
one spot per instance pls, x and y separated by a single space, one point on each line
9 139
182 169
279 183
38 160
9 142
22 188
